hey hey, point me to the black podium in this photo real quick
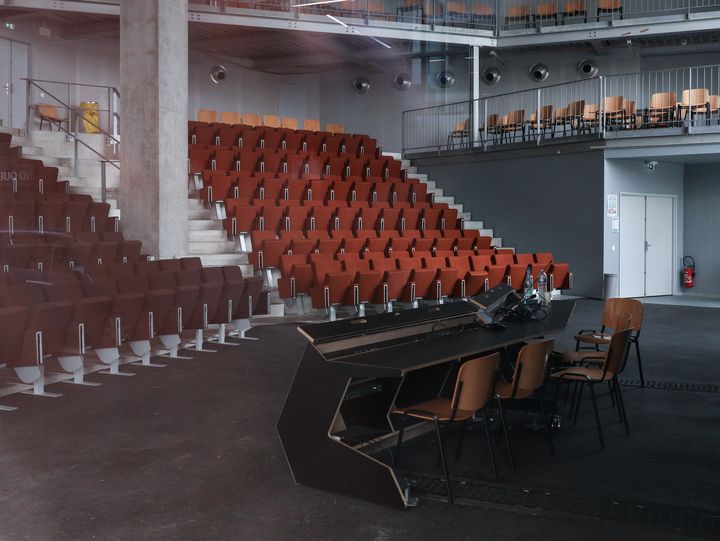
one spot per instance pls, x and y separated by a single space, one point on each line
352 373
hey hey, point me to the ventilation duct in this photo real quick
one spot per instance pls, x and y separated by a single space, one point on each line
446 78
587 68
491 76
539 72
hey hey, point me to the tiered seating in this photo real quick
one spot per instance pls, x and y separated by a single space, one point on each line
71 283
339 221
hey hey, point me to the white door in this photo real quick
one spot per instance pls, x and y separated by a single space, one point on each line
646 240
292 102
659 237
13 96
632 246
5 82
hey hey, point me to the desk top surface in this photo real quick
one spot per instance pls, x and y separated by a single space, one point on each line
446 345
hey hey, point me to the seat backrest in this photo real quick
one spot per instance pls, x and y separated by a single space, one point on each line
576 108
251 120
614 308
207 115
617 351
695 96
289 123
609 4
46 110
475 382
663 100
531 366
271 121
613 103
335 128
230 117
311 125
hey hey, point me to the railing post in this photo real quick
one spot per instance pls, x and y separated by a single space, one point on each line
74 123
689 114
485 123
110 109
103 181
601 106
28 105
537 117
437 130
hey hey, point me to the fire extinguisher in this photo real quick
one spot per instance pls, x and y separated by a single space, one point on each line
688 272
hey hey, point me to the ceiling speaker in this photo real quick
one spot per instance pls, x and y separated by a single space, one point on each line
446 78
218 74
539 72
402 81
491 76
361 85
587 68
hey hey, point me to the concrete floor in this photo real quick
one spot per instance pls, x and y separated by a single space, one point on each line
190 452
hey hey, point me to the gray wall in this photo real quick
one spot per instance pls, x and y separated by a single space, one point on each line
632 176
702 225
549 203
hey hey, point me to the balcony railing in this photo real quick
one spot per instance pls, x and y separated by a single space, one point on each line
666 102
498 16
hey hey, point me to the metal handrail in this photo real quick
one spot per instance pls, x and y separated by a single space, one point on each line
72 121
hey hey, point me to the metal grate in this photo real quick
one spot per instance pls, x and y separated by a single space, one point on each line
473 493
674 385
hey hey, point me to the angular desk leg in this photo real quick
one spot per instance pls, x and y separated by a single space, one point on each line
314 458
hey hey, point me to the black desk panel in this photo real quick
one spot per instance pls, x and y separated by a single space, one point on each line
319 459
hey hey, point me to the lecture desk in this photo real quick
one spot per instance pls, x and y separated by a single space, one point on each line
337 412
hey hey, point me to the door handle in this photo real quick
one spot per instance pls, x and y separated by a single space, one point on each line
647 245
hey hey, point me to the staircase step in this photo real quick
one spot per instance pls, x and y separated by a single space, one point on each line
228 258
445 199
207 235
204 225
199 214
437 191
49 161
431 184
496 242
422 177
465 216
486 232
394 155
473 224
211 246
194 204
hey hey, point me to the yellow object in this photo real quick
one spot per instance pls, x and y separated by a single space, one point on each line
91 119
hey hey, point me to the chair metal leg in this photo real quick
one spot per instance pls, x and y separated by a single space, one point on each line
461 439
577 402
503 426
597 416
396 457
548 431
444 463
621 403
490 444
614 384
640 370
612 394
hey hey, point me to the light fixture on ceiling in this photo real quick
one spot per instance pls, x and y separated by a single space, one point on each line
491 76
361 85
380 42
538 72
316 3
402 82
218 74
587 68
8 25
352 29
336 20
445 78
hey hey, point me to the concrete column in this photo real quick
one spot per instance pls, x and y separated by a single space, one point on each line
477 112
153 124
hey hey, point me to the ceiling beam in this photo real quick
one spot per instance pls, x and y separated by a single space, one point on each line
105 28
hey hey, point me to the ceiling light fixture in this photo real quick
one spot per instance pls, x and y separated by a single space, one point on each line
352 29
380 42
319 2
336 20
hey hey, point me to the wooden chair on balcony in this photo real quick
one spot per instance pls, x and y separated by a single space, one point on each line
545 11
207 115
461 133
482 13
574 8
662 111
517 14
546 122
590 117
49 113
694 101
605 7
513 123
614 109
230 117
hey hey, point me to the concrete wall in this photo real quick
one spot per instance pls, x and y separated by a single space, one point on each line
549 203
633 176
702 225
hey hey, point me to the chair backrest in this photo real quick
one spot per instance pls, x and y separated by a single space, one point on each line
250 119
714 101
531 366
609 4
482 9
516 117
46 110
207 115
617 351
561 113
493 120
477 377
663 100
230 117
271 121
576 108
311 125
546 9
546 112
574 6
289 123
613 104
456 7
695 96
335 128
614 308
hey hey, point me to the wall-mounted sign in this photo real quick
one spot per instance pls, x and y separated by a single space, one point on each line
612 205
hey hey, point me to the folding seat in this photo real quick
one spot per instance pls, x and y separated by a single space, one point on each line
240 219
352 245
296 277
380 204
364 285
375 170
340 190
104 251
344 218
356 169
267 256
145 267
430 219
390 219
249 162
368 147
420 205
559 275
376 245
317 234
50 216
515 273
528 259
310 203
443 254
393 283
128 251
314 142
488 252
204 135
418 192
257 237
295 164
399 245
365 234
330 285
331 145
271 140
393 169
270 218
296 218
449 219
184 304
409 219
271 189
446 280
208 301
496 273
420 283
361 191
96 217
368 219
22 219
419 254
245 188
229 136
334 168
217 187
472 282
351 146
294 142
421 245
315 168
272 163
198 160
484 243
290 235
463 243
321 218
318 190
295 190
302 247
249 139
224 160
381 191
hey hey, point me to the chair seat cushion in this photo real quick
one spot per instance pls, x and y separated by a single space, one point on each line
438 407
579 357
599 338
583 373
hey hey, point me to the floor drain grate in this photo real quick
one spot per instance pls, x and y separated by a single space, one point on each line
468 492
674 385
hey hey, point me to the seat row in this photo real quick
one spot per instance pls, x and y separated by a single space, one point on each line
352 279
312 191
251 120
34 216
242 219
63 315
20 174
